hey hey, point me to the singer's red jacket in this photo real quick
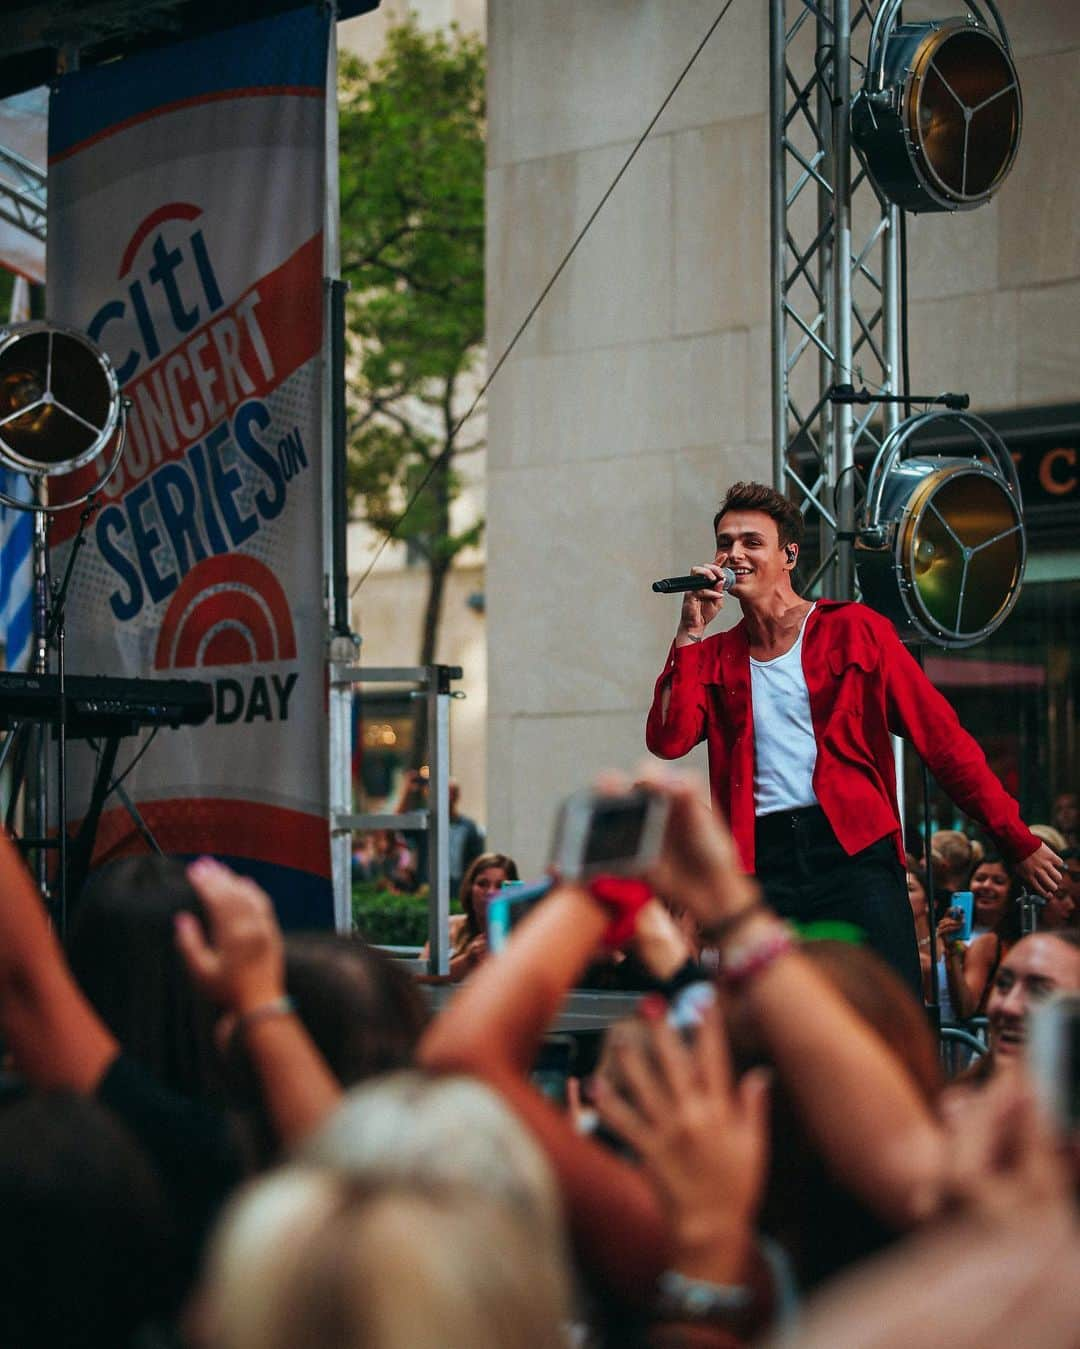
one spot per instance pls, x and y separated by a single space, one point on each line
863 684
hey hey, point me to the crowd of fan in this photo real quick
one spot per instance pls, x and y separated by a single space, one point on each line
216 1137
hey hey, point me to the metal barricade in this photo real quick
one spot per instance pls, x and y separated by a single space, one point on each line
434 687
962 1042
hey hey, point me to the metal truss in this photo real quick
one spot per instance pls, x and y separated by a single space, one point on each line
835 275
22 194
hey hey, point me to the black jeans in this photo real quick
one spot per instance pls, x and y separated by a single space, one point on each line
807 876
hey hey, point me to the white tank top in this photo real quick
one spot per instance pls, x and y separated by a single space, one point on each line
785 750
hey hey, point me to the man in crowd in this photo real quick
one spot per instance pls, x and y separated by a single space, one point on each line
1038 965
796 704
466 841
1065 817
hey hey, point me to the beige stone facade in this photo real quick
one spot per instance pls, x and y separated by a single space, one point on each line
387 609
642 387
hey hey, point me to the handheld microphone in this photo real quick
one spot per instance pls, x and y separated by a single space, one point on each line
671 585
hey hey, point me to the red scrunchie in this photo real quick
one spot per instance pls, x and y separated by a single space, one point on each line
624 897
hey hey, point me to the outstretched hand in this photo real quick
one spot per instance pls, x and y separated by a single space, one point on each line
1041 871
242 965
700 1138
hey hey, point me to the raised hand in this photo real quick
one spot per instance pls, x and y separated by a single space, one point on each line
949 927
700 607
1003 1157
242 965
697 868
702 1140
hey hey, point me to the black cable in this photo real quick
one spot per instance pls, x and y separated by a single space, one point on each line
142 750
444 453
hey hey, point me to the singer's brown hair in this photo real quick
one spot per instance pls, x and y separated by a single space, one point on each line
755 496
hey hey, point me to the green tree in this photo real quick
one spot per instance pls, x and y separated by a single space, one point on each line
412 248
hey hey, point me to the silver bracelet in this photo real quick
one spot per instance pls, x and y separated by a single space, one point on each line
695 637
283 1006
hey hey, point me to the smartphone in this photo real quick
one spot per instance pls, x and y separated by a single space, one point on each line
1053 1050
510 906
597 835
963 901
553 1066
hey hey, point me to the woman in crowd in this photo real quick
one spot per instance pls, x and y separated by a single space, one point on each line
57 1039
995 928
485 877
315 1257
955 856
121 948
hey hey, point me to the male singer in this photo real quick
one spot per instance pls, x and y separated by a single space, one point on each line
796 703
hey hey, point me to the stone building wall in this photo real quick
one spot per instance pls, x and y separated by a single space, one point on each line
642 387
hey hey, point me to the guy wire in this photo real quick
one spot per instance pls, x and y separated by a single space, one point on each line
439 460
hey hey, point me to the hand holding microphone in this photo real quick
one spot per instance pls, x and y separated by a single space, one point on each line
703 592
701 579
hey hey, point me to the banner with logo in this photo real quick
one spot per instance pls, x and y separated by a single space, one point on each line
186 206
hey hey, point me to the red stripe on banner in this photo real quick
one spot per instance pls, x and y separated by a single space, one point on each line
265 91
245 351
217 825
174 210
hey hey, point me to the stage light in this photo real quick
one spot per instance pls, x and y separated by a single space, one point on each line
941 548
939 115
60 404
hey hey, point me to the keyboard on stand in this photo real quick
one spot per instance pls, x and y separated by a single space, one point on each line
104 705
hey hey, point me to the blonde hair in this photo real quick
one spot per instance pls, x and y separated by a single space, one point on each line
310 1257
423 1131
1046 833
960 854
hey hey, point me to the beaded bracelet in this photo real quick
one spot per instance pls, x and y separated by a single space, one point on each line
748 962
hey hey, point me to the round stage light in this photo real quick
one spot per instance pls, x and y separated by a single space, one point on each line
60 403
939 115
941 548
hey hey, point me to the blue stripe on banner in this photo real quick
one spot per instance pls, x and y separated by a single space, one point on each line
16 572
285 50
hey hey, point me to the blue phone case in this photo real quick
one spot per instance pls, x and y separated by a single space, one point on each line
501 915
965 901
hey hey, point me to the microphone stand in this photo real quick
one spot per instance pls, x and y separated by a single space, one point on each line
933 1002
1030 904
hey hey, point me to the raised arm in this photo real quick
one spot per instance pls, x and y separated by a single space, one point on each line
976 965
847 1084
676 721
55 1036
492 1029
242 969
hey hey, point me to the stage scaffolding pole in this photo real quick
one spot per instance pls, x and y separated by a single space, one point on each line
835 280
834 273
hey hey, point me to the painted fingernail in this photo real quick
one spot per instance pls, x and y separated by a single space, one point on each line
652 1007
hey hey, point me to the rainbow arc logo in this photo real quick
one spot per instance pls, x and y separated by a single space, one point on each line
228 610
